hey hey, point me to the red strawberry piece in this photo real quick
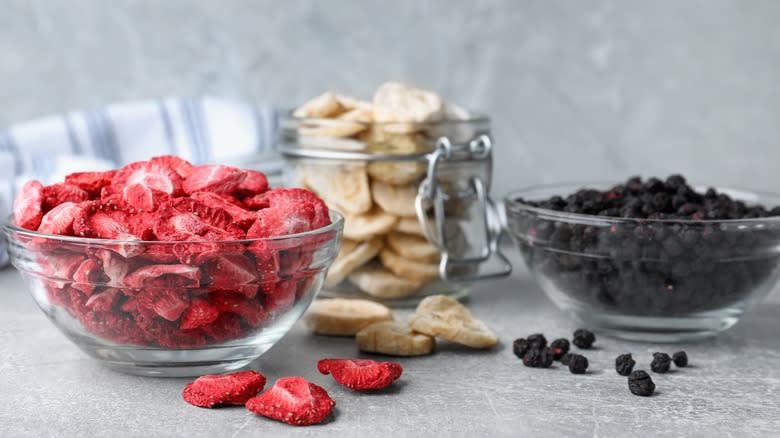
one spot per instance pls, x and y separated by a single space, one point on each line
56 194
296 196
200 313
184 218
256 202
361 374
28 205
180 165
115 266
254 184
215 178
59 267
266 259
146 184
281 221
167 303
279 296
293 400
88 276
225 328
91 182
104 221
249 309
164 276
104 301
167 334
226 389
59 220
241 216
232 272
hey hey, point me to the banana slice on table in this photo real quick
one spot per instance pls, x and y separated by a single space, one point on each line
398 200
409 269
345 186
441 316
381 283
413 247
343 317
352 255
365 226
395 339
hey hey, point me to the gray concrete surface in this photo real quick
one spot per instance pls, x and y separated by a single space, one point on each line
578 90
49 388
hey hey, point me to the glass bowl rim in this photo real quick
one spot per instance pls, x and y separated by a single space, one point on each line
510 203
474 117
337 222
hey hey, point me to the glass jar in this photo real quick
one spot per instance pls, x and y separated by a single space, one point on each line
418 217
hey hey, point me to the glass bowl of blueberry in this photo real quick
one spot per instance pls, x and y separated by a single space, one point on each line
651 260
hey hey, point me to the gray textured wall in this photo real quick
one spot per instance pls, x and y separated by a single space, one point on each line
577 89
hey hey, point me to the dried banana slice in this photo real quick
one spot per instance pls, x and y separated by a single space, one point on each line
405 107
345 125
406 268
352 255
345 186
343 317
441 316
365 226
413 247
397 173
395 339
381 283
410 225
322 106
350 102
378 139
398 200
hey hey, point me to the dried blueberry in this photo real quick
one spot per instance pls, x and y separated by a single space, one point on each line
559 347
542 358
640 383
537 341
565 359
680 359
578 364
661 363
624 364
520 346
583 338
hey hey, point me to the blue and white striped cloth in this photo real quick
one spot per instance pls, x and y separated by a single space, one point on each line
202 130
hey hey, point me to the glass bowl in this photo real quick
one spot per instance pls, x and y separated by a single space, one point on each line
174 308
643 279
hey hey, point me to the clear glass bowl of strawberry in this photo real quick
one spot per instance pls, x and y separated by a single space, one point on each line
176 275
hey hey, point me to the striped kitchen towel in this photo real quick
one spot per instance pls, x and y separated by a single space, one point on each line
202 130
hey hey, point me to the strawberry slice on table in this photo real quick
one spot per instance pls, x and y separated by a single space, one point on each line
56 194
91 182
227 389
28 205
361 374
59 220
216 178
293 400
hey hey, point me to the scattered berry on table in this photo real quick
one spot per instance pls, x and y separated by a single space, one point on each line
559 347
537 341
624 364
583 338
578 364
520 346
680 359
640 383
565 359
661 363
538 358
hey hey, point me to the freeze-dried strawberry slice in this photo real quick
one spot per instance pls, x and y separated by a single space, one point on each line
91 182
56 194
145 184
254 184
103 220
88 276
256 202
226 389
115 266
59 268
104 301
168 276
294 401
180 165
281 221
216 178
225 328
242 217
295 197
249 309
231 271
168 303
361 374
200 313
185 218
279 296
59 220
28 205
